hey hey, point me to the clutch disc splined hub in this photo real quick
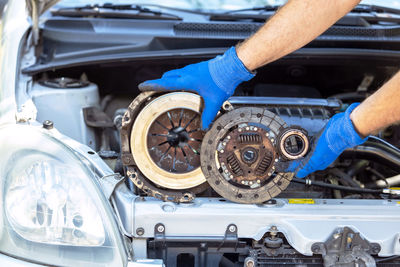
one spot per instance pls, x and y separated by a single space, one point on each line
239 156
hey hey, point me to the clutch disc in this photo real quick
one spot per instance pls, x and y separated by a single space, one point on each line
239 156
165 141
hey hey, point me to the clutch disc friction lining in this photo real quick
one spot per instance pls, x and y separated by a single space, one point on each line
239 155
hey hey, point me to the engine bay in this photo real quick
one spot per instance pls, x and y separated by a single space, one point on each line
167 192
155 138
155 141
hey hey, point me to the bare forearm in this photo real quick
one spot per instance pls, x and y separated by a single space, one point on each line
294 25
380 109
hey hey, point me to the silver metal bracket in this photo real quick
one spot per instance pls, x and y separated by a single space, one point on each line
230 236
347 248
159 231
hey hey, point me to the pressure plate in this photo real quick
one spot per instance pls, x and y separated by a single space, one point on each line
165 140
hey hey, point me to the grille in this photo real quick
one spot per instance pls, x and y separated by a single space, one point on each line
242 30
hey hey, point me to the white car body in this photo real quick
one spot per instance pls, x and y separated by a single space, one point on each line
302 224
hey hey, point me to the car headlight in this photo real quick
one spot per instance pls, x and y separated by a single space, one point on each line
51 204
56 207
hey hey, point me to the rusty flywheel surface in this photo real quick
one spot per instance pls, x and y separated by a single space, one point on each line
239 156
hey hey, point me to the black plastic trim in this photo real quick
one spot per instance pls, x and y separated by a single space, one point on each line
308 53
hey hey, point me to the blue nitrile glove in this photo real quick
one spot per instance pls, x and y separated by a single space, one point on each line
338 135
214 80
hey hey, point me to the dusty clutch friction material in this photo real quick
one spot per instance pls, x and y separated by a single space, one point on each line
239 156
160 142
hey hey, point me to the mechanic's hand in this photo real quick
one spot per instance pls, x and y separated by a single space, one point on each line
214 80
338 135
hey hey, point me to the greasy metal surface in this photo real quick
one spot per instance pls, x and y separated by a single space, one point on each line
347 248
223 179
127 122
95 117
163 194
249 155
174 140
133 173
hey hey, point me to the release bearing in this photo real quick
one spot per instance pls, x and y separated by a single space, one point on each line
293 143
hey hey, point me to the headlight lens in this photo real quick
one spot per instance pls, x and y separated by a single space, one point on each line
52 209
56 209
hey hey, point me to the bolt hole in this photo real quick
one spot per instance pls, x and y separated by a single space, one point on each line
219 128
242 115
259 115
210 142
226 106
217 182
239 195
256 195
91 152
249 171
234 147
209 168
279 183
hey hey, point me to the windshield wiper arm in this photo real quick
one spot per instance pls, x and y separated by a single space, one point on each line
358 9
363 8
261 8
115 11
232 15
239 17
372 15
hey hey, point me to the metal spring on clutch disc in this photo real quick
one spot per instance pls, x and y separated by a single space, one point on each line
264 164
250 138
234 164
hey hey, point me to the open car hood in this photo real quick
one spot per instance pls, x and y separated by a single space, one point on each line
35 9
